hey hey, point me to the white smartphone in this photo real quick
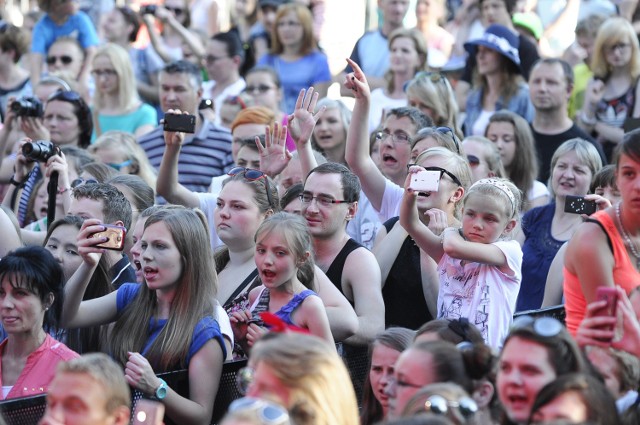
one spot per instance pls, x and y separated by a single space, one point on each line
425 181
148 412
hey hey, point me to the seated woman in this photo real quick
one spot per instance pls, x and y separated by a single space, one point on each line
31 298
116 104
165 324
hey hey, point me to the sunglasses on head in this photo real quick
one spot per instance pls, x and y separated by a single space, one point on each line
65 59
449 131
545 326
251 175
434 77
80 181
121 165
440 406
65 95
269 413
442 172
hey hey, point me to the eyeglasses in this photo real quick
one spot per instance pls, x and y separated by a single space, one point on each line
545 326
396 137
65 95
322 200
293 24
244 378
441 170
97 73
473 160
65 59
440 405
618 46
176 10
210 59
254 90
449 131
270 413
80 181
121 165
251 175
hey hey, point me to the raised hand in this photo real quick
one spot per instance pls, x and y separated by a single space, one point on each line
274 155
174 138
356 81
438 220
140 375
303 120
87 244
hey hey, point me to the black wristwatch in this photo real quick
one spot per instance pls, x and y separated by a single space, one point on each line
18 184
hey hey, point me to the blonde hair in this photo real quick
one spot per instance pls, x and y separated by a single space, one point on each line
614 30
491 155
320 389
127 92
437 96
497 188
197 287
126 143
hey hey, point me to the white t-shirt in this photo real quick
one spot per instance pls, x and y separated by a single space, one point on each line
537 190
381 103
364 226
208 206
390 206
229 91
484 294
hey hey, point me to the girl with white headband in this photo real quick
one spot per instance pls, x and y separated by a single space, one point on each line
479 266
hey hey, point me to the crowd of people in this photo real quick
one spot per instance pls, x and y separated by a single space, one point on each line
181 189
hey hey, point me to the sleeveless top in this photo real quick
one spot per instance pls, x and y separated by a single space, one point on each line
262 304
624 274
334 272
404 301
539 250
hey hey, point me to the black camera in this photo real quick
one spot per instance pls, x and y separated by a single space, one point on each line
40 150
27 106
149 9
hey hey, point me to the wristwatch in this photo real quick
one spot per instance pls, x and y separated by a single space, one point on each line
161 391
18 184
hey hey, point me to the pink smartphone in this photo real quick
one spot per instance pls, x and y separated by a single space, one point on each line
148 412
610 295
425 181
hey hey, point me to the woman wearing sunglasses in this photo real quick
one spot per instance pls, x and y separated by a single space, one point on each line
483 157
550 353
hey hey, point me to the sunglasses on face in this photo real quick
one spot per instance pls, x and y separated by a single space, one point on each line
251 175
442 172
64 59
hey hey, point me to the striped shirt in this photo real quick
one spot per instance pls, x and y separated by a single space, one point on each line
203 155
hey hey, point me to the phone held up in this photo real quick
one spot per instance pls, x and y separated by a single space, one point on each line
425 181
148 412
115 237
610 295
579 205
184 123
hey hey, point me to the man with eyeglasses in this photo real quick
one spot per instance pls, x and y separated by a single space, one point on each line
329 202
206 153
224 57
14 79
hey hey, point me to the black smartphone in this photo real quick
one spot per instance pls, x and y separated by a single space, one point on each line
579 205
184 123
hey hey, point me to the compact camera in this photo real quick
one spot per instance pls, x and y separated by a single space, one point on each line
27 106
40 150
578 205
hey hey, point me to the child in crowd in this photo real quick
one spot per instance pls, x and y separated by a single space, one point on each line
479 273
285 267
604 184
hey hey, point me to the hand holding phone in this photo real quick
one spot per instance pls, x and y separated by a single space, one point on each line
184 123
425 181
115 237
610 295
579 205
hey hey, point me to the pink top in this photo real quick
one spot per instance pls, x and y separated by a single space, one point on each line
40 368
290 143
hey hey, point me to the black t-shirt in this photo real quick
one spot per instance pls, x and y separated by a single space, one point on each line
546 145
528 53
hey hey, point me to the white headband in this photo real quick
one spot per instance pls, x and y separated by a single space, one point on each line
500 185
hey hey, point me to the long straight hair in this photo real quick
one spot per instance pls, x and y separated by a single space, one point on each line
193 300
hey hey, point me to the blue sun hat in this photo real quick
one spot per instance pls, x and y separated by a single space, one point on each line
498 38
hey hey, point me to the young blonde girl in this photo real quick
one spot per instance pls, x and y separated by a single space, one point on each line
478 266
286 270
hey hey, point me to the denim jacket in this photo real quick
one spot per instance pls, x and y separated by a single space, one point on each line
519 104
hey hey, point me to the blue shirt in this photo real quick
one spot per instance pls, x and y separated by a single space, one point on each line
297 75
371 53
206 329
78 26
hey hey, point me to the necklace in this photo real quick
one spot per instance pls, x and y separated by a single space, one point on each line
627 237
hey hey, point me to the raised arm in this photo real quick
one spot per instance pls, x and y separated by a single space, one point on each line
357 151
274 155
98 311
167 183
301 124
